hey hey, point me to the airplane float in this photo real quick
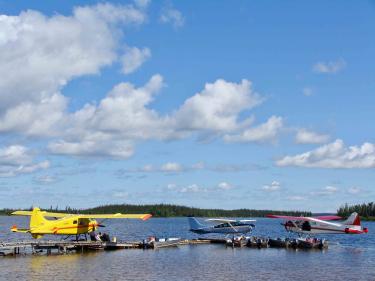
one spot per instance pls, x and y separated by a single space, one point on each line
67 224
319 225
226 226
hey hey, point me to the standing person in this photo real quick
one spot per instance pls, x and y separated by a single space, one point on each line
92 236
98 236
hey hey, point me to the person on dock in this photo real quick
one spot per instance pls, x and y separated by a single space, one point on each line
105 237
94 236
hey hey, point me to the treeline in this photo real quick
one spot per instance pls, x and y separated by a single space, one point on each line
364 210
167 210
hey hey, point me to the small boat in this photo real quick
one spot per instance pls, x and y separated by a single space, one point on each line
278 243
154 243
311 243
239 241
257 242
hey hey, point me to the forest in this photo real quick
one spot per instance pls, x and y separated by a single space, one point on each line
366 211
168 210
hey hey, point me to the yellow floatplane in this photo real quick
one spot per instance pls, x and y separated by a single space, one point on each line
66 224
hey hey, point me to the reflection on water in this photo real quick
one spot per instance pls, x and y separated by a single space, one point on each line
348 257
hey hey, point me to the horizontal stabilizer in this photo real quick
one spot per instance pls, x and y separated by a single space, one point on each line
21 230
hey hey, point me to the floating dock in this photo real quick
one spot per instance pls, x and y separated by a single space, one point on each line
63 247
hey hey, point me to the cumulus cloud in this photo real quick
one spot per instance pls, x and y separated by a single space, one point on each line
333 155
124 117
304 136
134 58
172 16
329 67
194 188
274 186
17 159
217 107
225 186
39 55
326 191
171 167
266 132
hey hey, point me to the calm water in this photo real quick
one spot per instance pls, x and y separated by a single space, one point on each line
348 257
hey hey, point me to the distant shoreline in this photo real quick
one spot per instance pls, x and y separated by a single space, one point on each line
168 210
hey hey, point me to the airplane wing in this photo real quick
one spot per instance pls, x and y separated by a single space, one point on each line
320 218
302 219
44 213
288 217
116 216
91 216
328 218
229 220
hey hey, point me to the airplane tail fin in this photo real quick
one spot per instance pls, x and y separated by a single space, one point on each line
194 223
36 218
353 219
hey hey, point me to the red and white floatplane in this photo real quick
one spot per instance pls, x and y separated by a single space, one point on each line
322 224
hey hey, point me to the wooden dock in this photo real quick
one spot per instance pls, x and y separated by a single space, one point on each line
63 247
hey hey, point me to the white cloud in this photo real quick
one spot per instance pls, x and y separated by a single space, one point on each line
217 107
123 117
39 55
92 146
354 190
296 198
274 186
330 66
17 159
334 155
304 136
225 186
328 190
171 186
194 188
266 132
134 58
171 167
172 16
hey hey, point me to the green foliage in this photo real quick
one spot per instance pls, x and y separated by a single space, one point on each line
364 210
166 210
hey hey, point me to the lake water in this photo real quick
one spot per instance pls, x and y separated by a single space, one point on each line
349 257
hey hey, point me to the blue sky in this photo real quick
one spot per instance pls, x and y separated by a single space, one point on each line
266 105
